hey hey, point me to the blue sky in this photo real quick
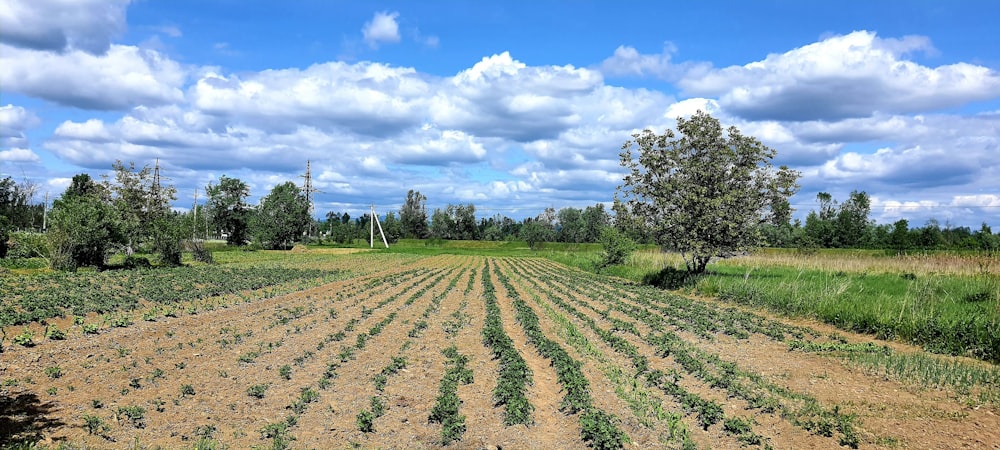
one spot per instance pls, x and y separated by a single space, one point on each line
513 106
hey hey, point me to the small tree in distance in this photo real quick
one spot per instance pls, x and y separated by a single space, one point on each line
705 193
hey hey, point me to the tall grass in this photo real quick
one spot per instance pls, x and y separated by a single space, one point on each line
951 314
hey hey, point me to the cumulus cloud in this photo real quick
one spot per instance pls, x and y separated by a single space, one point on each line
502 97
366 98
383 28
124 77
58 25
18 155
14 121
855 75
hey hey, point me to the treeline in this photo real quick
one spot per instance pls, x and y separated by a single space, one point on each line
459 222
848 225
130 213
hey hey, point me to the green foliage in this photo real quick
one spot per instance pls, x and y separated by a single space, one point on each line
535 233
285 371
52 295
24 245
617 247
95 425
258 390
600 430
413 216
228 209
282 217
365 421
706 192
134 414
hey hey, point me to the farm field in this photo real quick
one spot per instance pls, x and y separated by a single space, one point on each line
380 350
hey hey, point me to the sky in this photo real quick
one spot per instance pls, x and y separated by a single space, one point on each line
513 106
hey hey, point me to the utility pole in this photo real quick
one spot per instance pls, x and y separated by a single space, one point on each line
194 209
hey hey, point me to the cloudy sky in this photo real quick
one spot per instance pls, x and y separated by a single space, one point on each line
511 105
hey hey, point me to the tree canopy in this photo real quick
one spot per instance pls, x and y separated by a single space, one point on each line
706 192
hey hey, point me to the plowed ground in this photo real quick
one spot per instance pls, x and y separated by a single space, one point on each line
317 357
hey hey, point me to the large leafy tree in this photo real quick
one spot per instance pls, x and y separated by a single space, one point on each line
282 217
705 192
227 204
413 215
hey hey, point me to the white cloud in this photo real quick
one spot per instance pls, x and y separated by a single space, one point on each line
14 121
855 75
18 155
57 25
381 29
124 77
368 98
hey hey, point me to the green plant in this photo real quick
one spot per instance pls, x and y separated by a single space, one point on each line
187 390
25 338
285 371
600 430
364 421
95 425
136 415
54 372
54 333
257 390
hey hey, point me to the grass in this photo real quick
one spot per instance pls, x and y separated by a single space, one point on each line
950 314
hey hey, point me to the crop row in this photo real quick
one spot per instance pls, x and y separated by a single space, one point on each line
515 375
445 410
29 299
802 410
598 428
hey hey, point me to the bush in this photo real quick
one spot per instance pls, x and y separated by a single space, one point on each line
25 244
617 247
670 278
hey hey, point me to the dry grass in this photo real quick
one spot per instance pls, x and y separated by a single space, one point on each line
849 261
866 261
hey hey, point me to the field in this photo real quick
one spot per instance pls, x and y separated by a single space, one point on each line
474 350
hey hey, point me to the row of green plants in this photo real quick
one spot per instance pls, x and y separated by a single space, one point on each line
646 407
598 428
445 410
515 375
800 409
31 299
927 370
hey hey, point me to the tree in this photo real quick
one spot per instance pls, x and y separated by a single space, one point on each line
442 224
705 193
229 210
899 238
83 225
571 225
413 216
852 220
595 218
535 232
282 217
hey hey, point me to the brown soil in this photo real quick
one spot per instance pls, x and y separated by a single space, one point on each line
220 353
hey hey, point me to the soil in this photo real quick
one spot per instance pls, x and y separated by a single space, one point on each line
191 374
